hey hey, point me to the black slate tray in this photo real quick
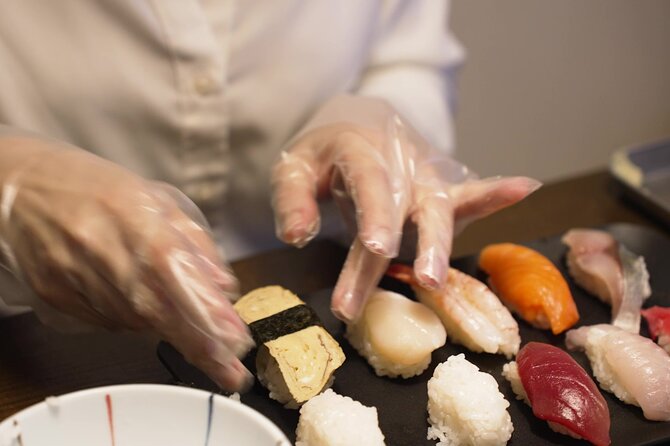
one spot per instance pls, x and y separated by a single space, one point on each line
401 404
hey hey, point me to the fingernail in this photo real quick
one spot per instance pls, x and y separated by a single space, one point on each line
380 241
533 185
294 231
229 315
246 382
430 271
342 311
234 377
241 343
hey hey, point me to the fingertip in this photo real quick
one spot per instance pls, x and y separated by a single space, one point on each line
381 241
532 184
297 228
345 307
225 279
430 272
520 187
359 277
233 377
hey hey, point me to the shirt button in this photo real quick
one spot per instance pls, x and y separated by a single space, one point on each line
205 84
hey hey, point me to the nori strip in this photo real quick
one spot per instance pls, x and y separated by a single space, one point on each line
285 322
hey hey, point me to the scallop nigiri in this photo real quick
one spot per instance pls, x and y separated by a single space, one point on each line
606 269
630 366
530 285
560 392
396 335
658 320
471 313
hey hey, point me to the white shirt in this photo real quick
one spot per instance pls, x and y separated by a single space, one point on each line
203 94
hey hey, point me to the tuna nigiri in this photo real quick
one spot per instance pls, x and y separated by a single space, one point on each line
630 366
396 335
658 320
559 392
530 285
471 313
608 270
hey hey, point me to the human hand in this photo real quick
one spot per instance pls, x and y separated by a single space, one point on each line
94 241
388 181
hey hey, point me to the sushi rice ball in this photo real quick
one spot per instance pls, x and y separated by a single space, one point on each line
329 419
465 406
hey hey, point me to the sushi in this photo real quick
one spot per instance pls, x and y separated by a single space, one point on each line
658 320
471 313
560 392
608 270
396 335
296 356
530 285
465 406
330 419
628 365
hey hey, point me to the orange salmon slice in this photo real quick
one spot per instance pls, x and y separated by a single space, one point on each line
530 285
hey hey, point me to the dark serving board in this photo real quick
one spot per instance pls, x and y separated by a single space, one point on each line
401 403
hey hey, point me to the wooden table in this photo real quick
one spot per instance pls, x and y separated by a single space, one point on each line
36 362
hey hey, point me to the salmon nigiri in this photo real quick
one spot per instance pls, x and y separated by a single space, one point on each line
530 285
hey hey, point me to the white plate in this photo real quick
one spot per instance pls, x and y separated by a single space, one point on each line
139 415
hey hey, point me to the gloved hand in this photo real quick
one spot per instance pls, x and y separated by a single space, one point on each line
384 177
96 242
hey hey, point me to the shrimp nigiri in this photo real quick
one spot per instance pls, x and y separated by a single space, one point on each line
471 313
608 270
630 366
530 285
560 392
658 320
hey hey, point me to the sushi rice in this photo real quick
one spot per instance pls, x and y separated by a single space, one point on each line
329 419
465 406
510 372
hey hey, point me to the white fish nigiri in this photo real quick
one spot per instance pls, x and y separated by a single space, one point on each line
608 270
471 313
396 335
628 365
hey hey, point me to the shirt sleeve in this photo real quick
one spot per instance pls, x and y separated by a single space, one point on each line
413 63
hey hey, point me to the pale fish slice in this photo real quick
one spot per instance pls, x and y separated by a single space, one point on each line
631 366
636 291
611 272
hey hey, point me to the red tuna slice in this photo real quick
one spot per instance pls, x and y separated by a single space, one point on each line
560 391
658 320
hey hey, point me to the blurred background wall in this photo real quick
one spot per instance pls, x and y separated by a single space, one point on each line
550 88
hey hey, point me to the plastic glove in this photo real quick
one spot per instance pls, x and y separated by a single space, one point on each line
384 174
96 242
